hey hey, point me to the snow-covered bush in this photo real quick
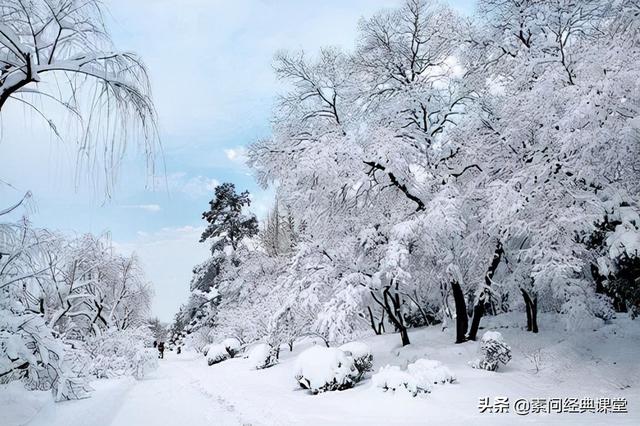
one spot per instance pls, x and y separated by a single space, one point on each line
216 354
429 371
321 369
146 361
232 346
119 353
392 378
361 354
205 349
29 352
494 350
262 356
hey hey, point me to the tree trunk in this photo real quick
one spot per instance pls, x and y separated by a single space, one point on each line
381 324
478 309
373 324
404 336
525 296
532 311
534 315
462 322
395 316
291 346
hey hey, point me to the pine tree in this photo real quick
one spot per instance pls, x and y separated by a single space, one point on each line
227 224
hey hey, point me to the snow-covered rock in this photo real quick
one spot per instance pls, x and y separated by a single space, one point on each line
392 378
430 372
321 369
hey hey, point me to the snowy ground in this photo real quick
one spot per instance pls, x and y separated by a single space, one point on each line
184 390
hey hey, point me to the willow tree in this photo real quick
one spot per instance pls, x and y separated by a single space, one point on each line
59 52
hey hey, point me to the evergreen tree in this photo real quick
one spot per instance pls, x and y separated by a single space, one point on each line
227 224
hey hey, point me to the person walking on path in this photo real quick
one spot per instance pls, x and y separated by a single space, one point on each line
161 350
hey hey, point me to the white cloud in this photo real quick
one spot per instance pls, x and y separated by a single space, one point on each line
237 154
151 208
194 186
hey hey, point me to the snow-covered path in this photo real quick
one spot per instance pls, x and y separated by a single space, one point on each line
170 396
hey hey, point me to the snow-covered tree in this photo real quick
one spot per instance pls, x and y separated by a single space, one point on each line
57 55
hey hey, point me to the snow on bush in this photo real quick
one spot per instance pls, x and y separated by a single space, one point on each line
494 350
205 349
120 353
216 354
361 354
232 346
262 356
321 369
392 378
146 361
429 371
30 353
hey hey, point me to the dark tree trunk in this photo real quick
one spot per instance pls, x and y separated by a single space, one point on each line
395 316
534 315
373 323
525 296
404 336
532 311
478 309
462 322
291 346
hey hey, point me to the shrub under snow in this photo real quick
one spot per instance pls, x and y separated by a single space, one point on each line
429 371
494 350
119 353
216 354
229 348
321 369
361 354
232 346
262 356
392 378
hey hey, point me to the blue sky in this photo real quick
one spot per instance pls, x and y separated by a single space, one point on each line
210 64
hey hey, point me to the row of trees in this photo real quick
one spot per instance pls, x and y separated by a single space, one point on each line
59 295
446 168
